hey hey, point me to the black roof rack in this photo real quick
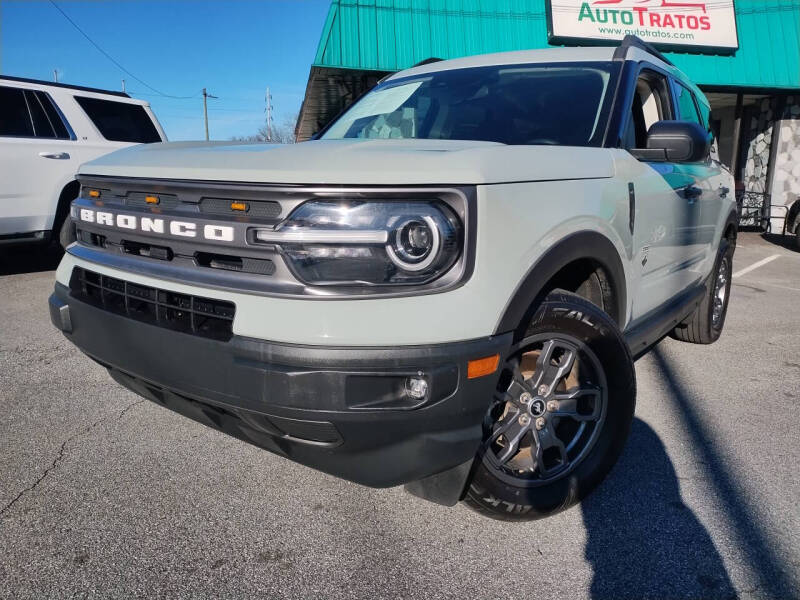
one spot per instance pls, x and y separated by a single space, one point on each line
427 61
65 85
631 41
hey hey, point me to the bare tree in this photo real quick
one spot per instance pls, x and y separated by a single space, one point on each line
282 133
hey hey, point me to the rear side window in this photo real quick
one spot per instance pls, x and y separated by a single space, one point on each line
41 124
46 122
120 121
53 116
686 105
15 119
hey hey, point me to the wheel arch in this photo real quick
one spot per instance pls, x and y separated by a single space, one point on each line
578 248
731 228
68 193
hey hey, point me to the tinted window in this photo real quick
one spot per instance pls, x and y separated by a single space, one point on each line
42 127
53 115
705 114
120 121
686 106
15 119
558 104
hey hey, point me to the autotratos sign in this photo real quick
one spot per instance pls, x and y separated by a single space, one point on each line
691 25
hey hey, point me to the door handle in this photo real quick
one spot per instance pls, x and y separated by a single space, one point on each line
56 155
690 192
723 191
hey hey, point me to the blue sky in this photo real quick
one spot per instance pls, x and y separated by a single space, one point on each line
235 48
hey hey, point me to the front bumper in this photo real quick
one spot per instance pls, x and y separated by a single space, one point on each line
338 410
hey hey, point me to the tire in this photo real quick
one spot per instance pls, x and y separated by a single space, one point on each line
67 233
703 326
797 236
534 482
63 232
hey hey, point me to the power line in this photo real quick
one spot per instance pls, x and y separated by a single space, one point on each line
111 58
227 99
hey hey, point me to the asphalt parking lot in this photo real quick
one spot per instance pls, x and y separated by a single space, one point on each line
104 494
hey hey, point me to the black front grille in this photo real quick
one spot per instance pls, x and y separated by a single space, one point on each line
205 317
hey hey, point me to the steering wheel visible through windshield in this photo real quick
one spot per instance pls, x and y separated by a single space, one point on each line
563 104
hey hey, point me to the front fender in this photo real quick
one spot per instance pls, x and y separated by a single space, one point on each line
533 287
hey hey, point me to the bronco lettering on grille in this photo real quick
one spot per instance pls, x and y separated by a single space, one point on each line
219 233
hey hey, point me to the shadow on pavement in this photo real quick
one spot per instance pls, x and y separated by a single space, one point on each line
784 241
29 258
642 540
774 577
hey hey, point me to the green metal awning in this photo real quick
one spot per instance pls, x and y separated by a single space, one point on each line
389 35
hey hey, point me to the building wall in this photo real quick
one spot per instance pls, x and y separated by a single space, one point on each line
389 35
759 140
786 170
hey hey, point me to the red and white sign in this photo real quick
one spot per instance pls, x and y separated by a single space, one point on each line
690 24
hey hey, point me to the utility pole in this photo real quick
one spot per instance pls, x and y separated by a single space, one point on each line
268 99
123 86
206 95
55 75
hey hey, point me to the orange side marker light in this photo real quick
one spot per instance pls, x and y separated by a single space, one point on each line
152 199
481 367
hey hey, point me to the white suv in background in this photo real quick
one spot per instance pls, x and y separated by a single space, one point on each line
46 131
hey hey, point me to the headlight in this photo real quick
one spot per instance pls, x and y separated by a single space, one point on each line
349 242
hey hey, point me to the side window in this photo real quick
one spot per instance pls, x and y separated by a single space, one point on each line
15 120
651 103
53 115
42 128
120 121
686 105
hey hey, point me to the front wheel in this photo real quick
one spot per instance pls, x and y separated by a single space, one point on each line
561 414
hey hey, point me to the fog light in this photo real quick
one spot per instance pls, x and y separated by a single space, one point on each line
416 387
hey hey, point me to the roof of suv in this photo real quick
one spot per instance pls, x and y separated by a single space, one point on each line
547 55
631 49
68 86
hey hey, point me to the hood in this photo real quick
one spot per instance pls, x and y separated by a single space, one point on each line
356 162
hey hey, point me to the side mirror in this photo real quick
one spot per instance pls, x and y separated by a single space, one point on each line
677 141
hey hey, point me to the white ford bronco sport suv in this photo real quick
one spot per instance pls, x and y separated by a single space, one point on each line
446 289
46 131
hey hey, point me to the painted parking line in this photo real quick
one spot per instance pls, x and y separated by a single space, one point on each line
756 265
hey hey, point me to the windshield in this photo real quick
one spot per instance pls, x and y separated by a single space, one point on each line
563 104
